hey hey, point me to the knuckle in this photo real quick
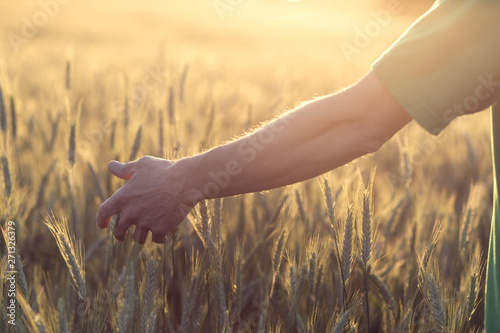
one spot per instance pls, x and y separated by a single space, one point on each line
144 160
116 197
120 196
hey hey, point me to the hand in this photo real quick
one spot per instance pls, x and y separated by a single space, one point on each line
154 199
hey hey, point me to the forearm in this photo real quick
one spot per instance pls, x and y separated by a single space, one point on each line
283 152
304 143
315 138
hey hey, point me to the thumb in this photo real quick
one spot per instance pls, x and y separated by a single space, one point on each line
122 170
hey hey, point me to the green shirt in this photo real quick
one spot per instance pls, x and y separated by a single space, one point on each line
446 65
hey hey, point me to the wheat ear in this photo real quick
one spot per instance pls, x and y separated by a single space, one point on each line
71 253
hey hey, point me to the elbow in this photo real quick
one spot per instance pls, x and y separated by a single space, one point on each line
371 137
374 132
380 117
370 144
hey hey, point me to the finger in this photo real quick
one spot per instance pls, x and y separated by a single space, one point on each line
140 234
121 228
122 170
159 238
107 209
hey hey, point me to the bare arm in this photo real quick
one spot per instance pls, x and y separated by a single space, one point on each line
308 141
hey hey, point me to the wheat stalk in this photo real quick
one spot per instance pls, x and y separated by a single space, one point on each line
201 290
136 145
54 131
300 324
477 270
342 321
209 127
68 75
367 243
40 325
190 303
97 182
171 106
292 310
148 292
237 288
383 290
223 316
279 250
102 309
329 202
71 160
319 278
126 115
62 316
112 135
7 181
404 323
72 145
366 226
437 233
13 121
21 278
174 235
434 298
336 231
347 244
312 273
182 82
387 320
217 221
3 115
70 252
127 301
42 186
160 132
300 205
465 232
205 221
151 324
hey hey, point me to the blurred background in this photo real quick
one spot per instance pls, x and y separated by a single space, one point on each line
237 33
230 43
252 59
172 78
249 59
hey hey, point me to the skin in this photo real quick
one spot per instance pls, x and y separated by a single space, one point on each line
318 136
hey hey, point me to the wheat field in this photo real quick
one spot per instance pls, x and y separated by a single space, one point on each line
392 242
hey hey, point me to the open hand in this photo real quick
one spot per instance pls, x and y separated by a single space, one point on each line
154 199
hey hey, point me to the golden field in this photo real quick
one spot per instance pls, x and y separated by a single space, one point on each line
392 242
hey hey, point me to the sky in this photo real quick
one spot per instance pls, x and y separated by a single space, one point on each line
132 28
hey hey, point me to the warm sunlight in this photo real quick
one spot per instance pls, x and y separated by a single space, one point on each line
338 26
198 166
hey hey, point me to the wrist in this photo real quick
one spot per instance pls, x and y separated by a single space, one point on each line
191 177
210 174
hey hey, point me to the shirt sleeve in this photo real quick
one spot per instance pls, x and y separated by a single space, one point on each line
446 63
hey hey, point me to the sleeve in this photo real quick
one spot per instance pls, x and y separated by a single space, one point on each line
446 63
